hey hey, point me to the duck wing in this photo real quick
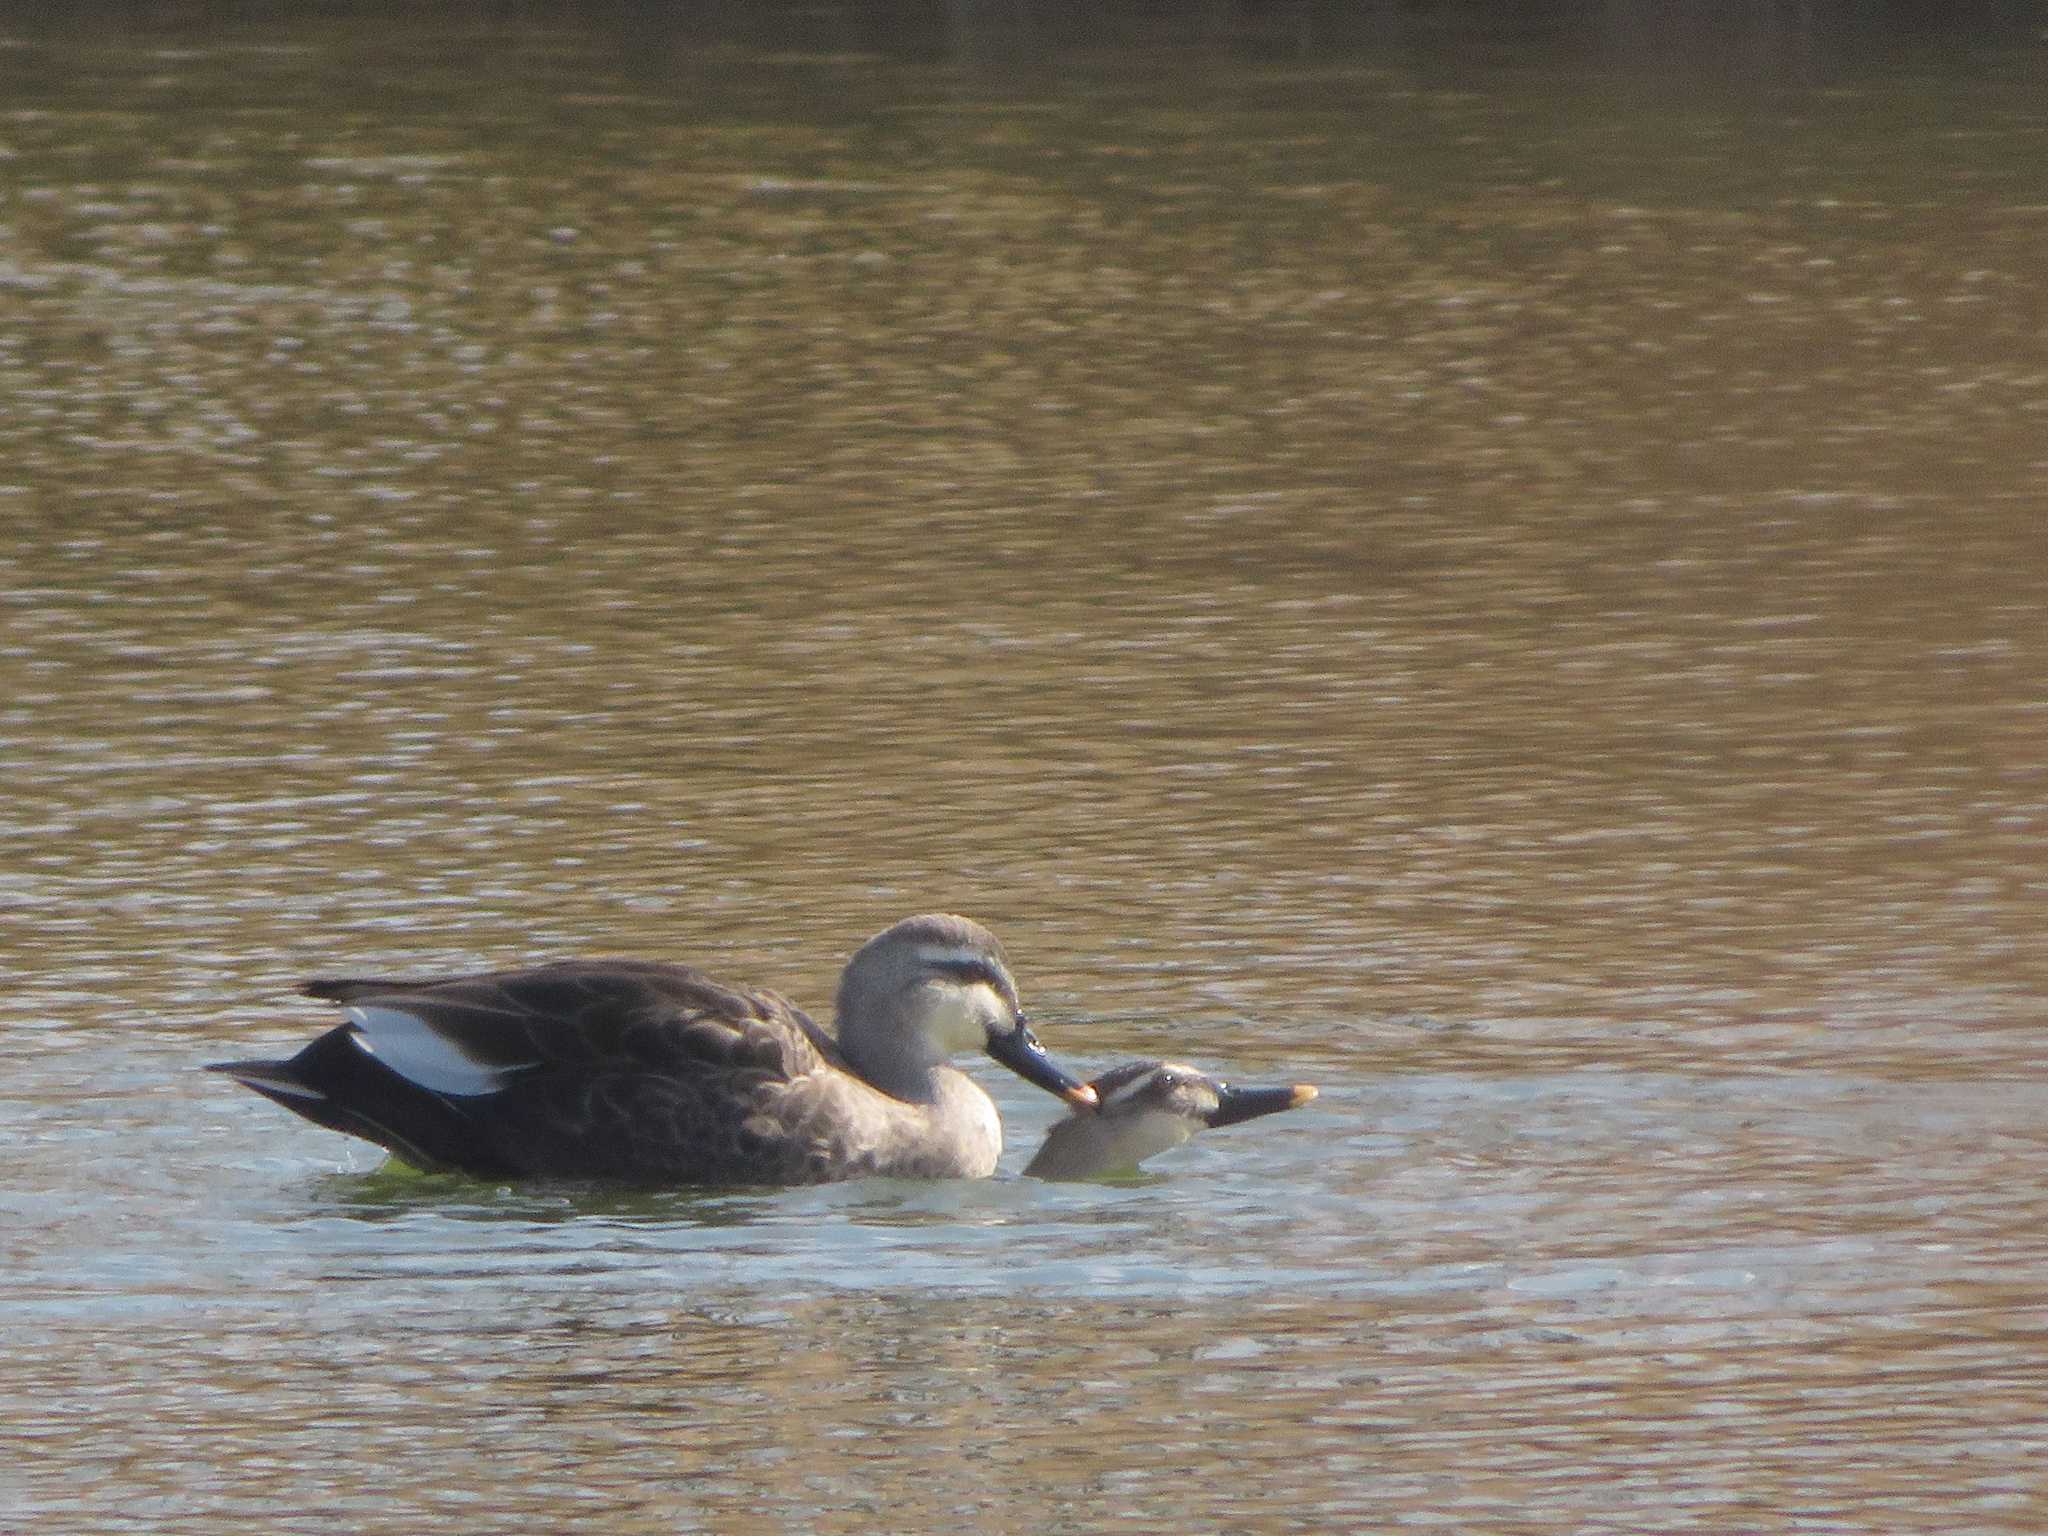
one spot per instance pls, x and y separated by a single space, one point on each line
612 1069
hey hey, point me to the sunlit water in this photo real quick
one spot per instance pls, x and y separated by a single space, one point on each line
1508 594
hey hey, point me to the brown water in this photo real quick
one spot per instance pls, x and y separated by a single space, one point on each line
1511 595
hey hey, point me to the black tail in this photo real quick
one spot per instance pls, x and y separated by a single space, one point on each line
336 1084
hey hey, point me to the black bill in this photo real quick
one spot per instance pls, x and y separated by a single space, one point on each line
1235 1104
1020 1051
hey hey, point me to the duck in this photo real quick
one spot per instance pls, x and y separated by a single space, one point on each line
655 1073
1144 1108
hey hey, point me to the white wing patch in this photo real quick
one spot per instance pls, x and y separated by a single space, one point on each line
416 1051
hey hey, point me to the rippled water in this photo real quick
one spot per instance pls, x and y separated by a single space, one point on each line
1508 594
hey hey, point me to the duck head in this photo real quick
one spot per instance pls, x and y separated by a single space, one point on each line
930 988
1148 1107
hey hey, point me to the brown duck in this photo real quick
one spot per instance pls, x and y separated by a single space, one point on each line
655 1073
1144 1108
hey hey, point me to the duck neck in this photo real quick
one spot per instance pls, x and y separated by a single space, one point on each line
1075 1148
891 1063
911 1082
1088 1145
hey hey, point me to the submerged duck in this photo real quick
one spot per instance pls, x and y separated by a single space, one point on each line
623 1069
1147 1107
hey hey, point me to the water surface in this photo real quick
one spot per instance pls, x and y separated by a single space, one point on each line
1442 571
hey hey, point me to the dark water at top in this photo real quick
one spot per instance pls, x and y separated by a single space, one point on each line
1413 561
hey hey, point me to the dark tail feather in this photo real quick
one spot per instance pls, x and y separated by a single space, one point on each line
273 1079
335 1084
351 989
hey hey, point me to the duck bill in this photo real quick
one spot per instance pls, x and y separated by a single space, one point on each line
1235 1104
1020 1051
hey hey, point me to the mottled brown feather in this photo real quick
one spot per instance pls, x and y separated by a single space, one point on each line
635 1069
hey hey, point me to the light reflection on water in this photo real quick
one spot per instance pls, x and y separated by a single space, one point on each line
1516 604
1691 1285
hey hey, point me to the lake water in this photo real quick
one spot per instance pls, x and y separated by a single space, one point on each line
1442 566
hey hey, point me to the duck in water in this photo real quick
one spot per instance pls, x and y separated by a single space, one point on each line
655 1073
1144 1108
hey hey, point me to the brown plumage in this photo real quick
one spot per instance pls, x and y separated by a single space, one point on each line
656 1073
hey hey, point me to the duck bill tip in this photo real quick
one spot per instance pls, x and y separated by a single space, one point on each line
1240 1104
1023 1055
